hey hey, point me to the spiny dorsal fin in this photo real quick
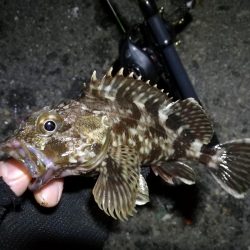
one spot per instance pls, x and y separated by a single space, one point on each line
122 88
93 77
187 119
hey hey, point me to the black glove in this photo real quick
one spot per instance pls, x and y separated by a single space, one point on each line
76 223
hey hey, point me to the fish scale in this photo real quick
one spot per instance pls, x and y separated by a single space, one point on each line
118 125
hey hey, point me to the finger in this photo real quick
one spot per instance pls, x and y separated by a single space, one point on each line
50 194
15 175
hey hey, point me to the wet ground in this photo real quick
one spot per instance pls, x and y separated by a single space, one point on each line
48 48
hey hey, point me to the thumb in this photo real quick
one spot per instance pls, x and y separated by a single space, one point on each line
15 175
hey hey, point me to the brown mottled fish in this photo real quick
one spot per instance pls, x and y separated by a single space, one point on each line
120 124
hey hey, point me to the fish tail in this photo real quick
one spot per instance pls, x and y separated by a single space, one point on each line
229 164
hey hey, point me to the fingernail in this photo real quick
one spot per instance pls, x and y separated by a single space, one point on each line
50 195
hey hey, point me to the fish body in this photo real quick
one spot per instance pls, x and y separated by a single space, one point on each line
117 126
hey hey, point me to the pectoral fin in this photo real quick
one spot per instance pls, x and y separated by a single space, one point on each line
142 196
116 188
174 172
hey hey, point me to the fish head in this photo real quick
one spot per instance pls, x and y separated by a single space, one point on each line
66 140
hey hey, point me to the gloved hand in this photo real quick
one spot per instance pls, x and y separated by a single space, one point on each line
17 177
75 223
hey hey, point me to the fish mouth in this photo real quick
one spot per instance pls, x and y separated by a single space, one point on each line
40 167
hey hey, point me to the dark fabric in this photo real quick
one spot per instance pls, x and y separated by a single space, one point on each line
7 199
76 223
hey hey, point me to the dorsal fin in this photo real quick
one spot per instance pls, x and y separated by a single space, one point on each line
187 119
122 88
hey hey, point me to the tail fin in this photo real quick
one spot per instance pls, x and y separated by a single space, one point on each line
229 164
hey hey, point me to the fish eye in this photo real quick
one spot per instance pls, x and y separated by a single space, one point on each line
48 123
50 126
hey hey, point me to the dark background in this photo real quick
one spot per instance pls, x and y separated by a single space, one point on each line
49 48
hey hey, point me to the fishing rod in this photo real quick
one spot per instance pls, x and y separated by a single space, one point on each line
148 48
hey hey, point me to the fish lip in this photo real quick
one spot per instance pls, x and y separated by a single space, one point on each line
49 169
17 149
31 157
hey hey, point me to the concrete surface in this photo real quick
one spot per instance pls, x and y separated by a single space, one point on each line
48 48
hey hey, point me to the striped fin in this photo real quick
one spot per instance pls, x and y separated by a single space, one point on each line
142 195
229 164
175 172
122 89
188 120
116 188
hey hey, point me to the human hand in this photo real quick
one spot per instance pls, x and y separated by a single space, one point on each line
17 177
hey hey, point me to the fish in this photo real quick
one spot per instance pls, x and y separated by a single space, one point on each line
118 125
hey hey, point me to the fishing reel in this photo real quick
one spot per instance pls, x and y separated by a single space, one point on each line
148 48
